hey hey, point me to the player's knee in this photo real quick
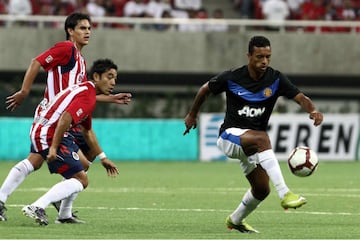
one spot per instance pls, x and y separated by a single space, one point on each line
82 178
37 166
36 162
86 164
84 182
261 192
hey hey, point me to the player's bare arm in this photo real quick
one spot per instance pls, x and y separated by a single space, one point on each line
17 98
119 98
62 126
306 104
191 117
91 140
93 143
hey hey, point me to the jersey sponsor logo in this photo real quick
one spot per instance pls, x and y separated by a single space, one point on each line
79 112
251 112
73 87
49 59
40 120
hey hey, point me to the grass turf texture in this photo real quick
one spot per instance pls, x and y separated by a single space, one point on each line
173 200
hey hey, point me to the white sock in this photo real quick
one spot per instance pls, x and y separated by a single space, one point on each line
268 161
65 210
248 204
15 177
58 192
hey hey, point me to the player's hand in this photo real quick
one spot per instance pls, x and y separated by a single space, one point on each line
15 100
110 167
51 155
317 117
121 98
190 122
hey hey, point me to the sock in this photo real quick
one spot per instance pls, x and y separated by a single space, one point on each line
268 161
15 177
248 204
58 192
65 210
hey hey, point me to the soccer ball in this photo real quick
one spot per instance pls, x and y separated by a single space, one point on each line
302 161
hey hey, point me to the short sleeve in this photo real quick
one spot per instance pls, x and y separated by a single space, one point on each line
287 88
80 110
59 54
218 84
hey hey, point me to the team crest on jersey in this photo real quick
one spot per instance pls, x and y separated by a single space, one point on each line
79 112
267 92
75 156
48 59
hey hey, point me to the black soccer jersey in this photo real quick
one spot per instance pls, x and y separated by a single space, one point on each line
249 103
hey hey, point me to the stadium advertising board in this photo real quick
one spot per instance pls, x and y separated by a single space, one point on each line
122 140
337 139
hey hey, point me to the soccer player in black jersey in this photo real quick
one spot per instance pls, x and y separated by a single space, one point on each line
251 93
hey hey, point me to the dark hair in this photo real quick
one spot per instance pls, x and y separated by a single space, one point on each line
100 66
72 20
258 41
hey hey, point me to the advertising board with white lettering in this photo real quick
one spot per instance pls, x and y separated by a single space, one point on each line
336 139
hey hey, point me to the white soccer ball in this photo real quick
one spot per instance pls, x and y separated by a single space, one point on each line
302 161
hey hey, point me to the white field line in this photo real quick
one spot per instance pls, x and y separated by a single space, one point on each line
323 192
193 189
346 192
202 210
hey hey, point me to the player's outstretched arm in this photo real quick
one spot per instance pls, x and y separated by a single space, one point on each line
96 150
306 104
191 118
119 98
17 98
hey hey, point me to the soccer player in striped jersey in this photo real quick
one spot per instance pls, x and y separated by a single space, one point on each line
52 141
251 93
65 66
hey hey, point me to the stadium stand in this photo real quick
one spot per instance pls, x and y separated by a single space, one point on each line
233 9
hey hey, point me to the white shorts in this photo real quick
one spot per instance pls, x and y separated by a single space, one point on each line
229 143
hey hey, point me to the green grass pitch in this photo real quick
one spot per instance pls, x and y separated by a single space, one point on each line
178 200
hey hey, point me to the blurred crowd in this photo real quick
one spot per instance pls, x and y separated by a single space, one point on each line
278 10
299 9
281 10
101 8
119 8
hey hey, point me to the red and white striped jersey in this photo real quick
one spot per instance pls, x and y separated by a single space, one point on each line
65 67
78 100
